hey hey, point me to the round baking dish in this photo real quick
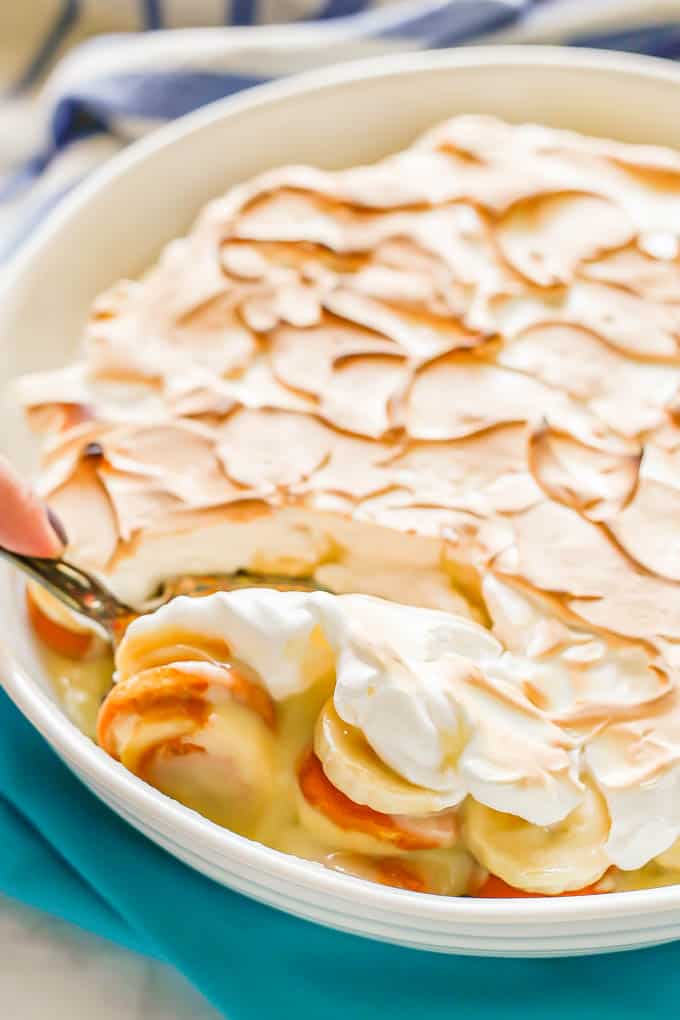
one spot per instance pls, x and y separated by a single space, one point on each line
114 225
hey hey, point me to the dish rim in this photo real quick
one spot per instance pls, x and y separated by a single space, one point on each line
144 800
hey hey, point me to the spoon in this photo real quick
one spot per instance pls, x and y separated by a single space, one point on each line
77 589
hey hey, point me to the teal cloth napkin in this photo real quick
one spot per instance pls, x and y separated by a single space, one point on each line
63 851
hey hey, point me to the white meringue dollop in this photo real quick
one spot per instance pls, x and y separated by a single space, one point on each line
448 708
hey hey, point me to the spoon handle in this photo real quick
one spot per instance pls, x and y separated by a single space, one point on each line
74 587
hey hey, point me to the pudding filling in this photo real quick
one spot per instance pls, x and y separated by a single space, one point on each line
408 436
360 733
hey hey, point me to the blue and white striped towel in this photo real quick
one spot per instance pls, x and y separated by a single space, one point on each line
84 77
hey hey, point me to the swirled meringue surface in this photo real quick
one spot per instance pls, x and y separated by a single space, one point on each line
461 364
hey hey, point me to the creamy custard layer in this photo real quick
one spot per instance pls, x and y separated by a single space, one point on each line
82 686
450 379
244 761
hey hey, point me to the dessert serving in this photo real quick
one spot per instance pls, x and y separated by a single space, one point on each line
438 395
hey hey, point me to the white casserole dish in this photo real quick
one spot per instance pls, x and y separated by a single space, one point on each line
114 226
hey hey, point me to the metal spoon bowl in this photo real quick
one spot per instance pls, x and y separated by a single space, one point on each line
77 589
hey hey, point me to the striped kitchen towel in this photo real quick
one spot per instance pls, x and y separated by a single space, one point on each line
82 78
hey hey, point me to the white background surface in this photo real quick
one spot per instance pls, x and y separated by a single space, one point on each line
52 971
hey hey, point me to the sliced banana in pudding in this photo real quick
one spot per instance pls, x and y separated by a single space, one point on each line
201 731
431 743
549 859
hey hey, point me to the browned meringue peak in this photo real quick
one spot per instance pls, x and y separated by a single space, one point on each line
497 183
419 334
485 473
430 263
523 620
458 395
401 283
259 387
589 680
365 394
270 450
135 326
57 400
138 502
161 331
323 215
84 507
305 359
485 138
197 398
628 396
212 335
244 261
54 418
634 326
659 162
354 469
63 451
410 179
421 176
498 164
285 300
547 236
417 262
582 563
653 278
64 390
399 290
468 539
177 457
640 179
598 483
443 246
146 472
663 450
647 529
593 578
629 755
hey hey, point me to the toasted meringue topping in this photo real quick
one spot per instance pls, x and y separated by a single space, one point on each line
597 483
546 237
465 360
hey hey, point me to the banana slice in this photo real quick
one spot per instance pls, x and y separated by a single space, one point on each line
333 818
549 860
355 769
201 733
62 631
165 646
334 837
